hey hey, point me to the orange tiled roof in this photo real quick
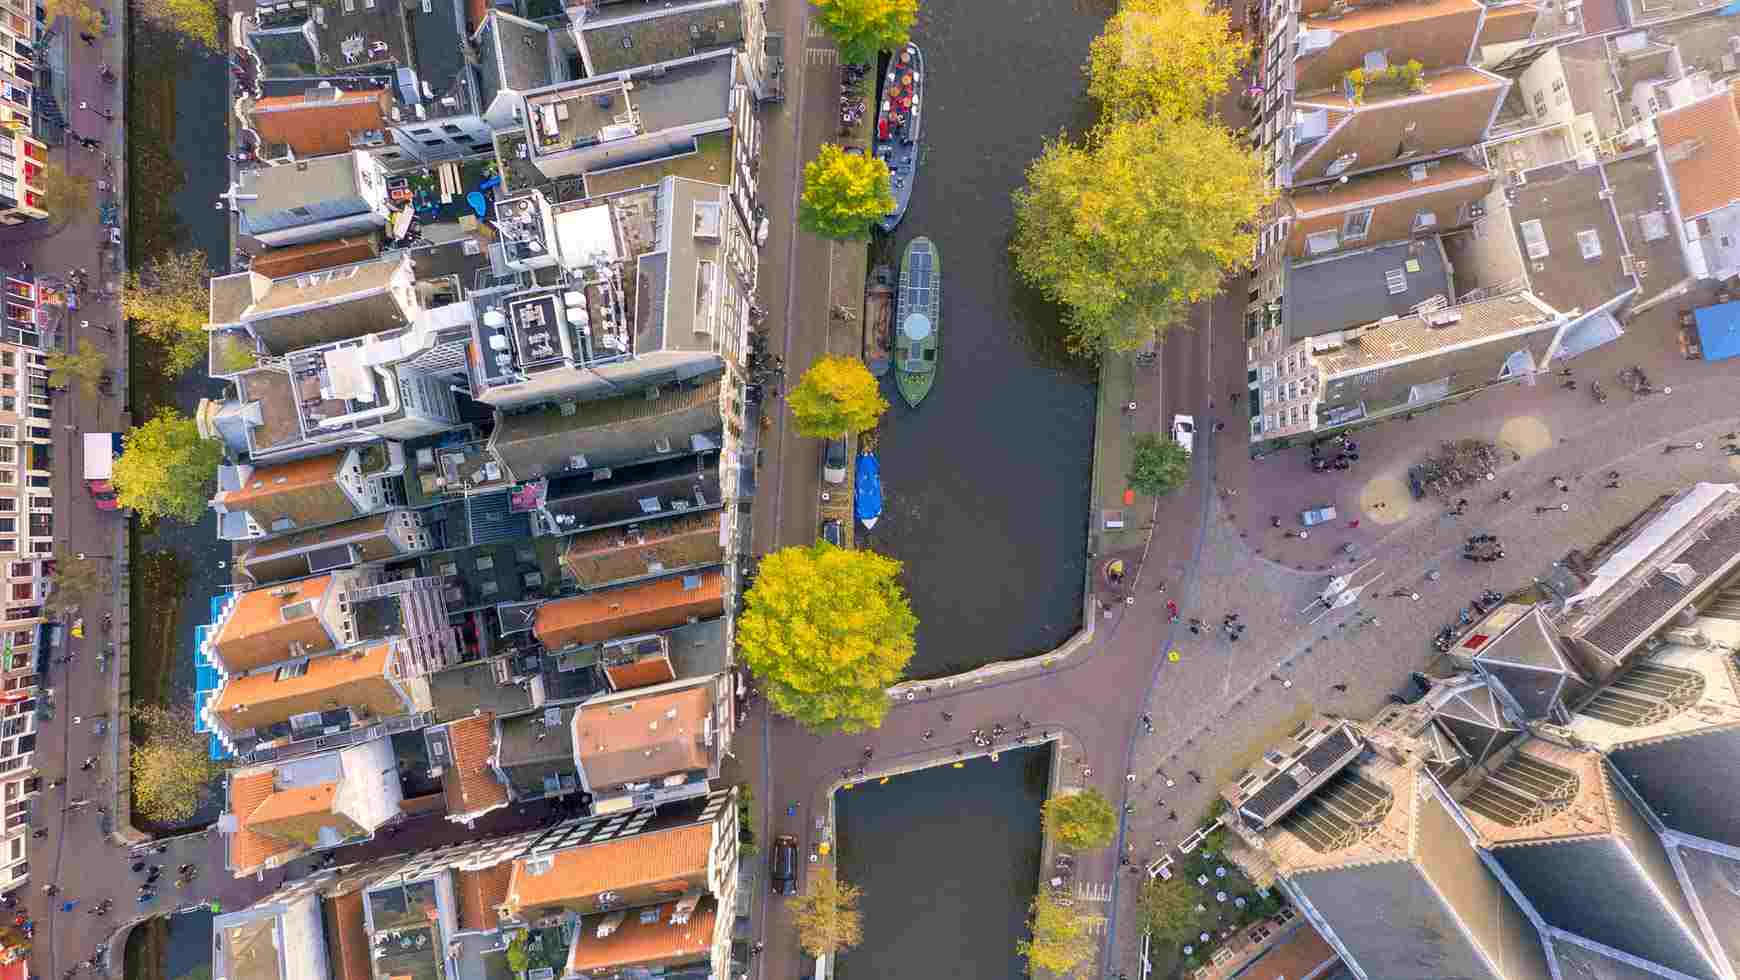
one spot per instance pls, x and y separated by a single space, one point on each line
640 608
347 938
257 634
294 260
642 860
346 680
1436 33
319 128
632 739
1702 145
267 481
470 783
638 943
480 891
640 672
290 803
249 851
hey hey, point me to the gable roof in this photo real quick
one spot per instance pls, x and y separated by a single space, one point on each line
636 941
1444 187
320 121
609 432
645 859
265 622
1702 144
339 303
599 558
469 781
1452 113
634 738
289 496
250 850
481 890
291 260
1622 626
647 32
640 608
352 680
347 936
1436 33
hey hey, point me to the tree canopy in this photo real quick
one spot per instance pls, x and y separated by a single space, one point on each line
827 915
827 630
1081 821
844 193
837 395
75 580
168 300
85 17
1168 58
85 365
1168 909
1129 230
192 20
63 193
1157 465
1059 940
865 28
166 468
172 766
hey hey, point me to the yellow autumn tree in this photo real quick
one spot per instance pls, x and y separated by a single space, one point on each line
84 364
827 630
76 580
168 300
864 28
1129 230
173 771
85 17
193 20
166 468
837 395
844 193
63 193
827 915
1059 941
1163 57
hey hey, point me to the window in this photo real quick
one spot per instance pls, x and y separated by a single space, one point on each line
539 865
1589 243
450 128
1424 219
1356 225
301 212
1322 241
21 591
8 359
288 671
42 432
1341 164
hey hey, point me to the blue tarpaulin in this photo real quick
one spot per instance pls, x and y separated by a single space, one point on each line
1719 331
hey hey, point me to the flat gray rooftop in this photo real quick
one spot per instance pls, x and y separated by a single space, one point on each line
1570 243
1325 295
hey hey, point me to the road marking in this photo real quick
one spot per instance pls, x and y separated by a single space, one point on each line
1096 924
821 56
1093 891
816 30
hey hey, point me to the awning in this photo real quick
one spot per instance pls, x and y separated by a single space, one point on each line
1719 331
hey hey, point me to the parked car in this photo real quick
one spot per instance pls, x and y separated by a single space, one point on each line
103 494
833 534
834 461
1317 515
782 865
1184 432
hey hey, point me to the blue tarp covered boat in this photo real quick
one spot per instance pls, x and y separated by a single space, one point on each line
867 504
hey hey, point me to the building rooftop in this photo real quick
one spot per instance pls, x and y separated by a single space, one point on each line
670 934
514 54
298 494
577 873
248 849
1333 134
642 737
536 755
1646 218
1712 882
275 941
1701 142
646 32
264 624
1436 33
629 610
1414 336
635 494
1291 771
321 121
348 39
590 115
357 681
1569 237
599 435
292 260
278 192
320 550
476 686
469 779
334 304
1361 287
481 890
594 559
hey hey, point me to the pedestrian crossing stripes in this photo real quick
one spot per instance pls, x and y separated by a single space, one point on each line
1093 891
821 57
816 30
1096 924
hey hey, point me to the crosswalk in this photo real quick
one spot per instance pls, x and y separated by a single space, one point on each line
821 57
1093 891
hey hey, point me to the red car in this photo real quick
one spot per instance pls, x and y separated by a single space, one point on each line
103 494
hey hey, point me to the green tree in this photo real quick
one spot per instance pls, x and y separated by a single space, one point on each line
746 822
63 193
827 630
1168 909
192 20
172 765
1130 230
1167 58
166 468
827 915
1059 941
1157 465
844 193
75 580
865 28
837 395
85 365
169 300
1081 821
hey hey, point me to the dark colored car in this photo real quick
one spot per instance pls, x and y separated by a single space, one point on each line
832 534
782 865
834 461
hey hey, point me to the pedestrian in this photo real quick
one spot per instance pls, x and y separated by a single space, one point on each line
1611 485
88 38
1172 815
1339 688
1612 474
1353 523
868 752
1505 495
926 734
948 716
39 833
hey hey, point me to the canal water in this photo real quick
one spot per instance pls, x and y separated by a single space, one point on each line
986 484
948 860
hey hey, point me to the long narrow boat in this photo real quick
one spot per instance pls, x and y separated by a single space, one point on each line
867 501
920 318
878 321
898 115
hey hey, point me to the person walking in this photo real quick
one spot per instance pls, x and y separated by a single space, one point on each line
1339 688
88 38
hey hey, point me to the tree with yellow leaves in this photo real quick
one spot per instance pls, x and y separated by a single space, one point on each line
76 579
85 364
827 915
62 192
864 28
193 20
166 468
173 771
1060 942
827 630
837 395
844 193
168 300
86 17
1163 57
1128 231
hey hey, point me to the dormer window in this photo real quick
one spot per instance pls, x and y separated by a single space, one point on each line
1341 164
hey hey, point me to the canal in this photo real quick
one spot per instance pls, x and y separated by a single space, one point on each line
986 484
948 860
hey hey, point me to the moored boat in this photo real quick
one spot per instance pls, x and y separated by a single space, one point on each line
919 320
878 321
867 500
898 114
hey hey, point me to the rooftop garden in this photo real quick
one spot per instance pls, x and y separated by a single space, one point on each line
1403 79
1205 903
